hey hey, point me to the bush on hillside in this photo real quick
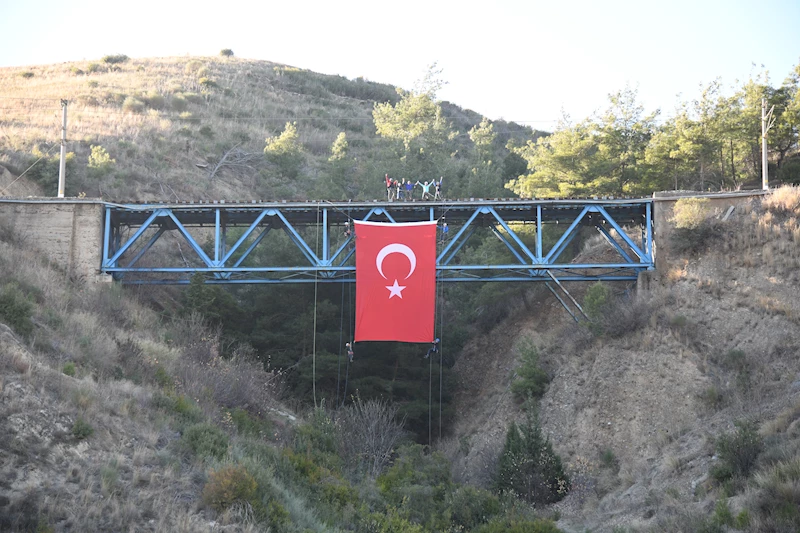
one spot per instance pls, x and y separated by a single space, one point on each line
470 506
16 309
229 485
531 379
784 200
596 300
285 151
100 162
368 433
690 213
115 59
43 168
529 468
133 105
738 451
518 525
205 440
154 100
417 484
226 52
192 66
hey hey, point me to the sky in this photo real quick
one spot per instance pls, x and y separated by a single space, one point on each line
524 61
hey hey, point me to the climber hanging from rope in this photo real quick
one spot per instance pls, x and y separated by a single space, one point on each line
434 348
350 353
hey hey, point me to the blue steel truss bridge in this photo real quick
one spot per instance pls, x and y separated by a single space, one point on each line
311 242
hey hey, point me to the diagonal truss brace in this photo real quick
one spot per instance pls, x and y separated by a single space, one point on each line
533 263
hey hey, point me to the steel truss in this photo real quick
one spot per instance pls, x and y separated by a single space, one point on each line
319 232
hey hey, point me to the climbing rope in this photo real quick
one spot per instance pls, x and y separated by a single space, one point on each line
347 366
339 358
314 341
441 355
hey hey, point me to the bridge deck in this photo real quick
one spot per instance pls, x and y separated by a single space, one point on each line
625 210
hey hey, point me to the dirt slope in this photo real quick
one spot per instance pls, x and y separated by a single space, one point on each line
715 341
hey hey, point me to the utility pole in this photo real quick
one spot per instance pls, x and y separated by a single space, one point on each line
767 121
62 166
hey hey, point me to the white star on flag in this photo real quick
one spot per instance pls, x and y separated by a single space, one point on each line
395 290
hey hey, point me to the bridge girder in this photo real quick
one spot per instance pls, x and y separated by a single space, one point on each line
316 229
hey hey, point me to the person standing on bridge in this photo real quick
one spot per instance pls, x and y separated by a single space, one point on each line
409 191
426 189
389 188
438 193
398 189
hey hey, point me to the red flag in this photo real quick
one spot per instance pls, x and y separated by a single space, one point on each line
395 281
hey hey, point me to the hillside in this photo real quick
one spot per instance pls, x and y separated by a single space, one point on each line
639 410
191 128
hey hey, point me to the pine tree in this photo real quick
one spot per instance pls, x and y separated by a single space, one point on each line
529 467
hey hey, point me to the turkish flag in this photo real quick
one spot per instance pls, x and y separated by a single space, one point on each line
395 281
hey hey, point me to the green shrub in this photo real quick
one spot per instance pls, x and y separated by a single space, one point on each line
738 451
206 131
712 397
16 309
227 486
179 103
470 506
246 424
27 74
99 162
133 105
76 71
81 429
162 378
531 379
194 98
205 440
690 213
69 369
186 409
609 460
207 83
596 300
518 525
529 468
226 52
417 484
115 59
154 100
391 522
278 517
285 151
93 67
192 66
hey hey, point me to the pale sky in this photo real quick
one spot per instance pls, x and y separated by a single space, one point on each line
524 61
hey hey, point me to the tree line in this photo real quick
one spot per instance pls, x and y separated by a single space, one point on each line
711 142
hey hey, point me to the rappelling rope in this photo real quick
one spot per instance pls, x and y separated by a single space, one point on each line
347 366
339 359
314 341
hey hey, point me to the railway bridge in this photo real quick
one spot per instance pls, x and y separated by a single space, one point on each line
309 241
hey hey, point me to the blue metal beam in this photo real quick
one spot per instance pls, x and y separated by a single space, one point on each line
465 218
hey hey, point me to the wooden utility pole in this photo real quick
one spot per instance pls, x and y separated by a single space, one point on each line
62 165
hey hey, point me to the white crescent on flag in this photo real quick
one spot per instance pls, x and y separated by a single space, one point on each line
396 248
